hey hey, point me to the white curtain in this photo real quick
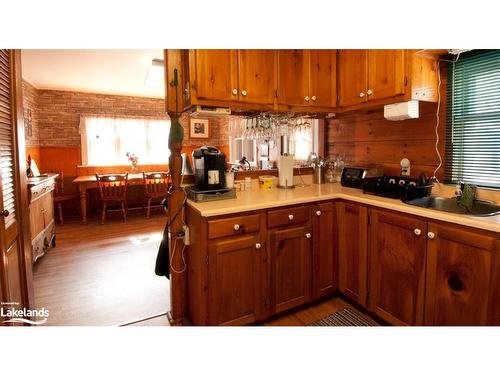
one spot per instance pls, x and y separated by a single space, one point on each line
106 140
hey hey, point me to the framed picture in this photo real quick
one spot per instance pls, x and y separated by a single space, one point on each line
199 128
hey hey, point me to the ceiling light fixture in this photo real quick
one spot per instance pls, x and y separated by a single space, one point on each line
156 73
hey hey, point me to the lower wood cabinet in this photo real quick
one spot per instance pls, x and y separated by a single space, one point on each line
235 270
324 252
404 269
353 250
290 267
397 267
463 281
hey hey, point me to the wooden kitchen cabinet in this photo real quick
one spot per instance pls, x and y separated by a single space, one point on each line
386 73
235 268
352 76
227 77
462 277
353 250
397 267
214 74
293 77
324 257
368 78
290 267
257 75
307 78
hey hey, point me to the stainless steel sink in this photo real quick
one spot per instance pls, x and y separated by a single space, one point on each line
479 208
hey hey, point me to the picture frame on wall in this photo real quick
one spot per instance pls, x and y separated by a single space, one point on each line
199 128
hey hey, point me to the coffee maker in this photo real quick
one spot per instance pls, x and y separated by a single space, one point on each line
209 168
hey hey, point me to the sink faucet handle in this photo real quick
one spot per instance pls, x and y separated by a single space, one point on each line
459 188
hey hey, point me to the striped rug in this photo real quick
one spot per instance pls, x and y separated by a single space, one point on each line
343 317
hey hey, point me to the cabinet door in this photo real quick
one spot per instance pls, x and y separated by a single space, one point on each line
235 274
397 267
257 75
386 73
215 74
291 267
459 264
322 77
352 77
293 77
325 274
353 241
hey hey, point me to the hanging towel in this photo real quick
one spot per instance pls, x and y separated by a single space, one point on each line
162 267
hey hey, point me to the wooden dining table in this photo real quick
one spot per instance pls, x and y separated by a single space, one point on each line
90 182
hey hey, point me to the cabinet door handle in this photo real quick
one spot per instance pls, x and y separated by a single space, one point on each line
5 213
431 235
313 98
290 217
361 94
417 232
244 93
258 245
306 98
236 227
369 92
308 235
235 92
318 213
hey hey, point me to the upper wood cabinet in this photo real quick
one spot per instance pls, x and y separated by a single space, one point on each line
214 74
397 267
307 78
463 277
293 80
368 78
257 75
353 250
247 76
352 77
386 73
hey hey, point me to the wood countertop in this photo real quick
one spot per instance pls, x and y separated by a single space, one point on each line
257 199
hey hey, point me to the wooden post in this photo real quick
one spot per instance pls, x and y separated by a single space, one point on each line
176 195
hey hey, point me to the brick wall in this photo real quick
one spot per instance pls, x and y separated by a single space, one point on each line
30 103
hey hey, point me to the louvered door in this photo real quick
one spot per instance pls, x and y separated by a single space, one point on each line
12 270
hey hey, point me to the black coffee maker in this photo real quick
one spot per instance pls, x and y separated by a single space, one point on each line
209 168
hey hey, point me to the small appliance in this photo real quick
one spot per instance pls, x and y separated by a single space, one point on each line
353 176
209 168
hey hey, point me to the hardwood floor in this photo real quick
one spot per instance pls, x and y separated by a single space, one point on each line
103 274
299 317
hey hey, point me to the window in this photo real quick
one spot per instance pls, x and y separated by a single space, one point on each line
473 121
260 150
106 140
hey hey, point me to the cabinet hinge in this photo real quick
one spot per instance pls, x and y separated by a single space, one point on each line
206 259
195 85
369 219
406 81
276 93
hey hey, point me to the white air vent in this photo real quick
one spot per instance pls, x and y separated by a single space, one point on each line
401 111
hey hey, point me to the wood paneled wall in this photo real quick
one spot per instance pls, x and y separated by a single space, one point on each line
365 137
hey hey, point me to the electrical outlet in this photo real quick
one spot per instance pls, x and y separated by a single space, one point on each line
187 236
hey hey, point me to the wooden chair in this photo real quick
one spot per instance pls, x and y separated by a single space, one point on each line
113 189
156 186
60 196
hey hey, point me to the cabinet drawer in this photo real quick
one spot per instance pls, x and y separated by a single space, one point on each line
234 225
288 216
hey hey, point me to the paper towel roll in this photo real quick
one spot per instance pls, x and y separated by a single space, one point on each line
285 171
